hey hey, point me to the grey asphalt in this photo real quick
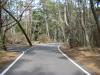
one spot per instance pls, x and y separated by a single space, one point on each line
44 60
17 48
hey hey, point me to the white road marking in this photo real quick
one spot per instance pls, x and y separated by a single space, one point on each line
5 71
73 62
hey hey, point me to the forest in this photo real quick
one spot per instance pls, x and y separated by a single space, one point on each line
75 23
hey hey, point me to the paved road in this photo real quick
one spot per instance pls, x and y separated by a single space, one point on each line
44 60
17 48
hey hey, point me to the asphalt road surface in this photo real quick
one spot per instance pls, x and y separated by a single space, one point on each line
44 60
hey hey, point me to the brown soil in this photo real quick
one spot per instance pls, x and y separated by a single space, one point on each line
86 57
6 57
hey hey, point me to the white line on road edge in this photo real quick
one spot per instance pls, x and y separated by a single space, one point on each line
14 62
73 62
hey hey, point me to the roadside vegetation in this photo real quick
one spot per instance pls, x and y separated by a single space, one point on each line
76 23
6 58
89 60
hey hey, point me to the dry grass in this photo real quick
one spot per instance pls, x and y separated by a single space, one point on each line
6 57
84 56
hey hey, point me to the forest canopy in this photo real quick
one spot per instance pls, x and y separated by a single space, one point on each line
74 22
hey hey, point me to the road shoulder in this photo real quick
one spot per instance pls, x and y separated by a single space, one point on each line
76 64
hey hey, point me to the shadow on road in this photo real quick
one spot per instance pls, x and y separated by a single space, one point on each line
17 48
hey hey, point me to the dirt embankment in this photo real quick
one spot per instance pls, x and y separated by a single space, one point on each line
89 59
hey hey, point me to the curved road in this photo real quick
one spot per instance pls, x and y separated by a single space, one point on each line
44 60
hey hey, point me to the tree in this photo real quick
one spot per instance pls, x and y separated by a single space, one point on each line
3 30
94 14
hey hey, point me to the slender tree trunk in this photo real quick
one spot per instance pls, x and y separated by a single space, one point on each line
4 41
86 35
95 16
23 31
30 20
46 17
65 15
0 16
66 20
1 33
43 3
61 22
47 27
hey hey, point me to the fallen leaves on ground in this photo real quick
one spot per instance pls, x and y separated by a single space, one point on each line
89 59
6 57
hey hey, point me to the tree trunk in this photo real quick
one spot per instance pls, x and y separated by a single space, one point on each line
45 17
65 15
47 27
0 16
95 16
4 41
23 31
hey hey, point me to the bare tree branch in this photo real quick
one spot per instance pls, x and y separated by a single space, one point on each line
23 31
21 15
